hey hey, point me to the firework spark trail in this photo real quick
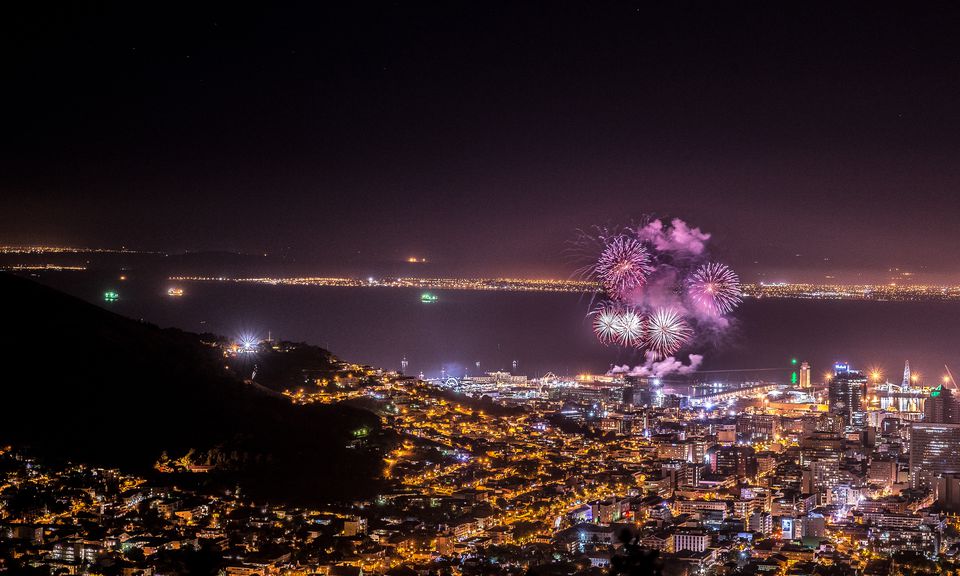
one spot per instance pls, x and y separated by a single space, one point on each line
666 331
623 266
605 322
630 329
715 288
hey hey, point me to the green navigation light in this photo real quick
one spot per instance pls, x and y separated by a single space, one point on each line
793 361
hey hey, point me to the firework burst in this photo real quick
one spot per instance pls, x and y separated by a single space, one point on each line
656 286
623 266
714 287
605 321
629 329
666 332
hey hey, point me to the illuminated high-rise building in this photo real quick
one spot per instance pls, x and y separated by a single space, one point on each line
941 407
805 375
846 393
934 452
948 492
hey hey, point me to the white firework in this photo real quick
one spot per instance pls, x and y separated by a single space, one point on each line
630 329
666 332
605 322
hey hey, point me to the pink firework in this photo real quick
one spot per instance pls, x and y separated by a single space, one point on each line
623 266
666 332
605 321
715 288
630 329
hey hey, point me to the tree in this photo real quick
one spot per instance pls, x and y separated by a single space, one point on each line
634 560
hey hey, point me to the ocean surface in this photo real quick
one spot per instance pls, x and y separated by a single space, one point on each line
540 331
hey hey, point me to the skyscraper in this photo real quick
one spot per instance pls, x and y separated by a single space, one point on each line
805 375
846 393
935 442
934 452
941 407
948 492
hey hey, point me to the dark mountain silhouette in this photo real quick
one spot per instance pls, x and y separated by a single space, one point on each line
82 383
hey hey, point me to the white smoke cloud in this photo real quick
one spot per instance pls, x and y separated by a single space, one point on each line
678 237
659 368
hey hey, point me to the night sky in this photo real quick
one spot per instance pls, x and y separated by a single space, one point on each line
807 137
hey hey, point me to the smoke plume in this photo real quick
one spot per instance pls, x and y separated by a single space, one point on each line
679 237
659 368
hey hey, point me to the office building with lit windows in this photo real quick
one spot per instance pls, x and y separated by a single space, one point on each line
934 452
846 393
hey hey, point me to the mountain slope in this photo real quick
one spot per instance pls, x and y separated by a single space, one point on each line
96 387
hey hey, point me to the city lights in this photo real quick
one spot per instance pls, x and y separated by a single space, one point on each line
480 289
914 293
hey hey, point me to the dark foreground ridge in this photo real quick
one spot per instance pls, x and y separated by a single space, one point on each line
85 384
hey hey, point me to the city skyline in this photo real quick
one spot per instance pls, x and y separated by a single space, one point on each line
856 471
421 266
488 288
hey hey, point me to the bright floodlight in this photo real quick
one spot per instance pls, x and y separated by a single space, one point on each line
249 341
